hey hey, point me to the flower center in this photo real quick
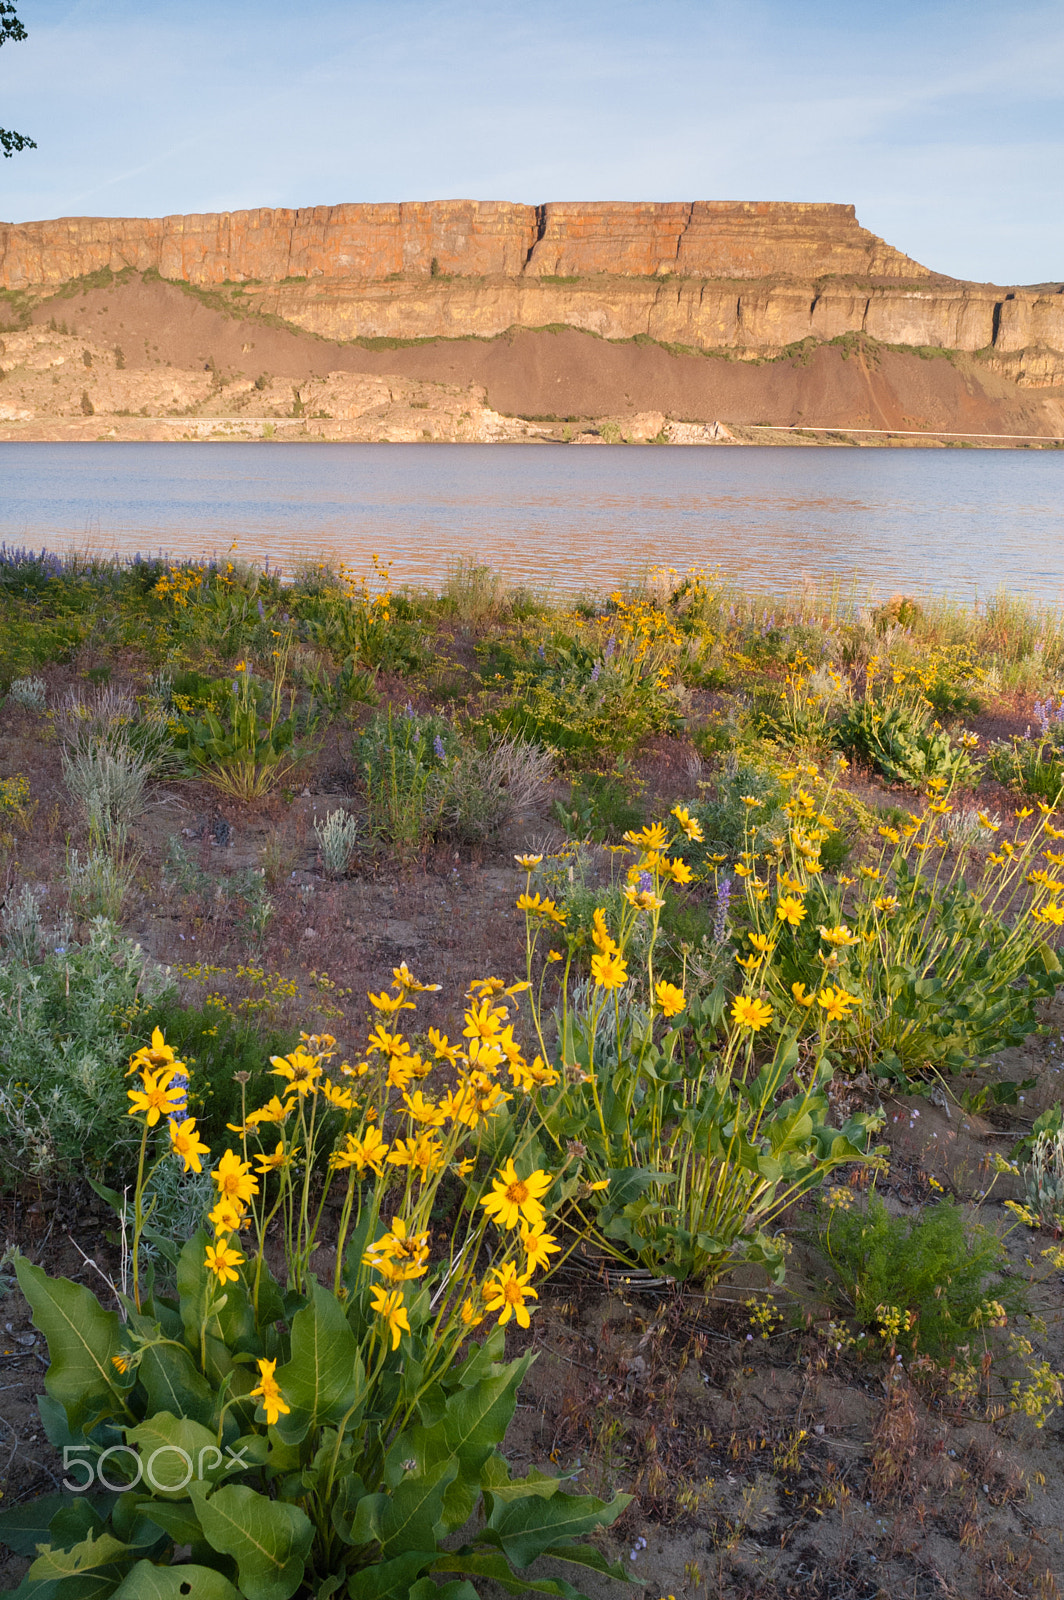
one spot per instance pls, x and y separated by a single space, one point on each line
517 1193
513 1292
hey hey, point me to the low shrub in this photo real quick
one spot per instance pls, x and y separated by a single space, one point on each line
254 740
65 1015
932 1284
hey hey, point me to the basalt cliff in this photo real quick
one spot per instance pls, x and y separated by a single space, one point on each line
749 314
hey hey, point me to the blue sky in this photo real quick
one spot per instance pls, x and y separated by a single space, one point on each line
941 120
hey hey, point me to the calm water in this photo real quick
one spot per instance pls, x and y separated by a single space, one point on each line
953 521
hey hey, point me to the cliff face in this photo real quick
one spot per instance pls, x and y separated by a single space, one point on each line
744 279
472 238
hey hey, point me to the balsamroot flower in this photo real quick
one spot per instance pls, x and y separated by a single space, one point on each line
671 999
515 1199
747 1012
791 910
538 1245
268 1391
186 1143
156 1098
506 1291
223 1260
836 1003
609 971
234 1179
388 1304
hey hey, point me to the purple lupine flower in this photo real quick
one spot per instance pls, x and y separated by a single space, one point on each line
437 745
542 653
646 882
595 670
179 1110
1041 711
408 712
262 610
720 921
611 645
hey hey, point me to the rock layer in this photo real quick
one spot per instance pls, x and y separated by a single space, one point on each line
473 238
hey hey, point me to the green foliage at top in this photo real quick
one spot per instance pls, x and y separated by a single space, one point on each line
941 1270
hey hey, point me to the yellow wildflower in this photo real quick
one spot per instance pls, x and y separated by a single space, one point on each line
671 999
223 1260
689 824
369 1151
506 1291
186 1143
748 1012
234 1179
268 1391
790 909
154 1097
609 971
514 1199
300 1069
388 1304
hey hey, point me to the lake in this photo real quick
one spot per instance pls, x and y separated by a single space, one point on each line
959 522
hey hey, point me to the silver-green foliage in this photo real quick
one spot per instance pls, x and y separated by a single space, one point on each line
110 752
337 840
28 692
63 1106
98 882
1044 1177
20 925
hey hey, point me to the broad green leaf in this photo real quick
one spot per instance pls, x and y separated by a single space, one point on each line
24 1527
89 1586
173 1451
475 1422
502 1488
178 1520
409 1518
524 1528
268 1539
82 1338
174 1383
88 1555
388 1580
457 1589
482 1563
325 1376
148 1582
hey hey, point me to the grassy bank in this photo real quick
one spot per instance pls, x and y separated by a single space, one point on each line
770 997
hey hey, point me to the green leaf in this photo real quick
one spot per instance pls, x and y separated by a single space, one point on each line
173 1451
325 1376
88 1555
82 1338
523 1529
388 1580
174 1383
503 1488
481 1563
24 1527
410 1517
89 1586
458 1589
177 1520
268 1539
148 1582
